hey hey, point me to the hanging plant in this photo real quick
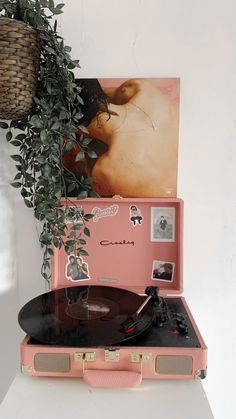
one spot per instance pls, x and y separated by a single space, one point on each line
48 132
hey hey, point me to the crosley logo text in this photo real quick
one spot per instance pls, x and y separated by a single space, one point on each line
109 243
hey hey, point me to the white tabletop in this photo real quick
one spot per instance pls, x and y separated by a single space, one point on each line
37 398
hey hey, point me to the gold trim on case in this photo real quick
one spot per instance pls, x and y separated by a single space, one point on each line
26 370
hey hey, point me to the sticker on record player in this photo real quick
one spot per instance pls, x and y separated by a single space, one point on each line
136 217
162 224
77 269
104 212
163 271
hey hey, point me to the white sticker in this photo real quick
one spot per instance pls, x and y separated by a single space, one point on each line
104 212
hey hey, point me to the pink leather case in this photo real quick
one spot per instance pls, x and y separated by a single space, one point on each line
122 251
133 243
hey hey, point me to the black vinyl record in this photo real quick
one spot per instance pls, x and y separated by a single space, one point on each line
85 316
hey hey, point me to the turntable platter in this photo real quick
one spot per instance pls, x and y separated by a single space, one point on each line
84 316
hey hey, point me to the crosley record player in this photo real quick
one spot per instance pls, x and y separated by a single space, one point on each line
116 316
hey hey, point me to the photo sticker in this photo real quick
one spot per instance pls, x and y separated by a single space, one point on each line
136 217
163 224
162 271
77 269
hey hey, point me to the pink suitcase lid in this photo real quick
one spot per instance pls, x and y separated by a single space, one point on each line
133 243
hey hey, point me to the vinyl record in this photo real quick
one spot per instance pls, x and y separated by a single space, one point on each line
85 316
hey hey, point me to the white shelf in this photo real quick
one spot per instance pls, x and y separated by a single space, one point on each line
37 398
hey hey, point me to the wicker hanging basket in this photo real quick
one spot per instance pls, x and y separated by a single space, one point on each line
19 63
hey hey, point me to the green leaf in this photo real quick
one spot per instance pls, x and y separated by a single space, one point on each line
69 145
88 216
18 176
43 135
83 252
45 276
88 181
36 121
50 50
9 136
60 5
86 231
85 141
47 170
82 195
24 193
92 154
71 66
77 226
83 129
40 159
70 242
63 115
71 235
16 184
76 63
56 11
80 156
45 238
55 26
71 187
51 4
16 157
3 125
28 203
20 137
16 143
93 194
56 125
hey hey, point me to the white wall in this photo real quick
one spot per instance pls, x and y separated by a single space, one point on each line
8 282
194 40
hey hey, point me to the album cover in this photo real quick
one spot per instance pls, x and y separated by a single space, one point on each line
134 127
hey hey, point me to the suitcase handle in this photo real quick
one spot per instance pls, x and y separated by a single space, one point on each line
112 378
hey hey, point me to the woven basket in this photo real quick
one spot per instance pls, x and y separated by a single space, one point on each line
19 63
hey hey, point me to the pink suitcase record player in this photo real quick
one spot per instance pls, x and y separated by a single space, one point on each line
116 316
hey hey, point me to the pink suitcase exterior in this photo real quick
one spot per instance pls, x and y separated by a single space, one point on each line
126 248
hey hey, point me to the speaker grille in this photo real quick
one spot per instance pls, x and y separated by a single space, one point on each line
52 362
174 364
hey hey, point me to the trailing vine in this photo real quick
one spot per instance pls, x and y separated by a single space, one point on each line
42 138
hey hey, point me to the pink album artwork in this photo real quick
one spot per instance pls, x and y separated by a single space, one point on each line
134 127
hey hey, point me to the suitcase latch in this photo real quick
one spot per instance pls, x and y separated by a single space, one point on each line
138 358
85 356
112 355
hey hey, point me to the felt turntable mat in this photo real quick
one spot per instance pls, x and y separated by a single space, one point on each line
84 316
